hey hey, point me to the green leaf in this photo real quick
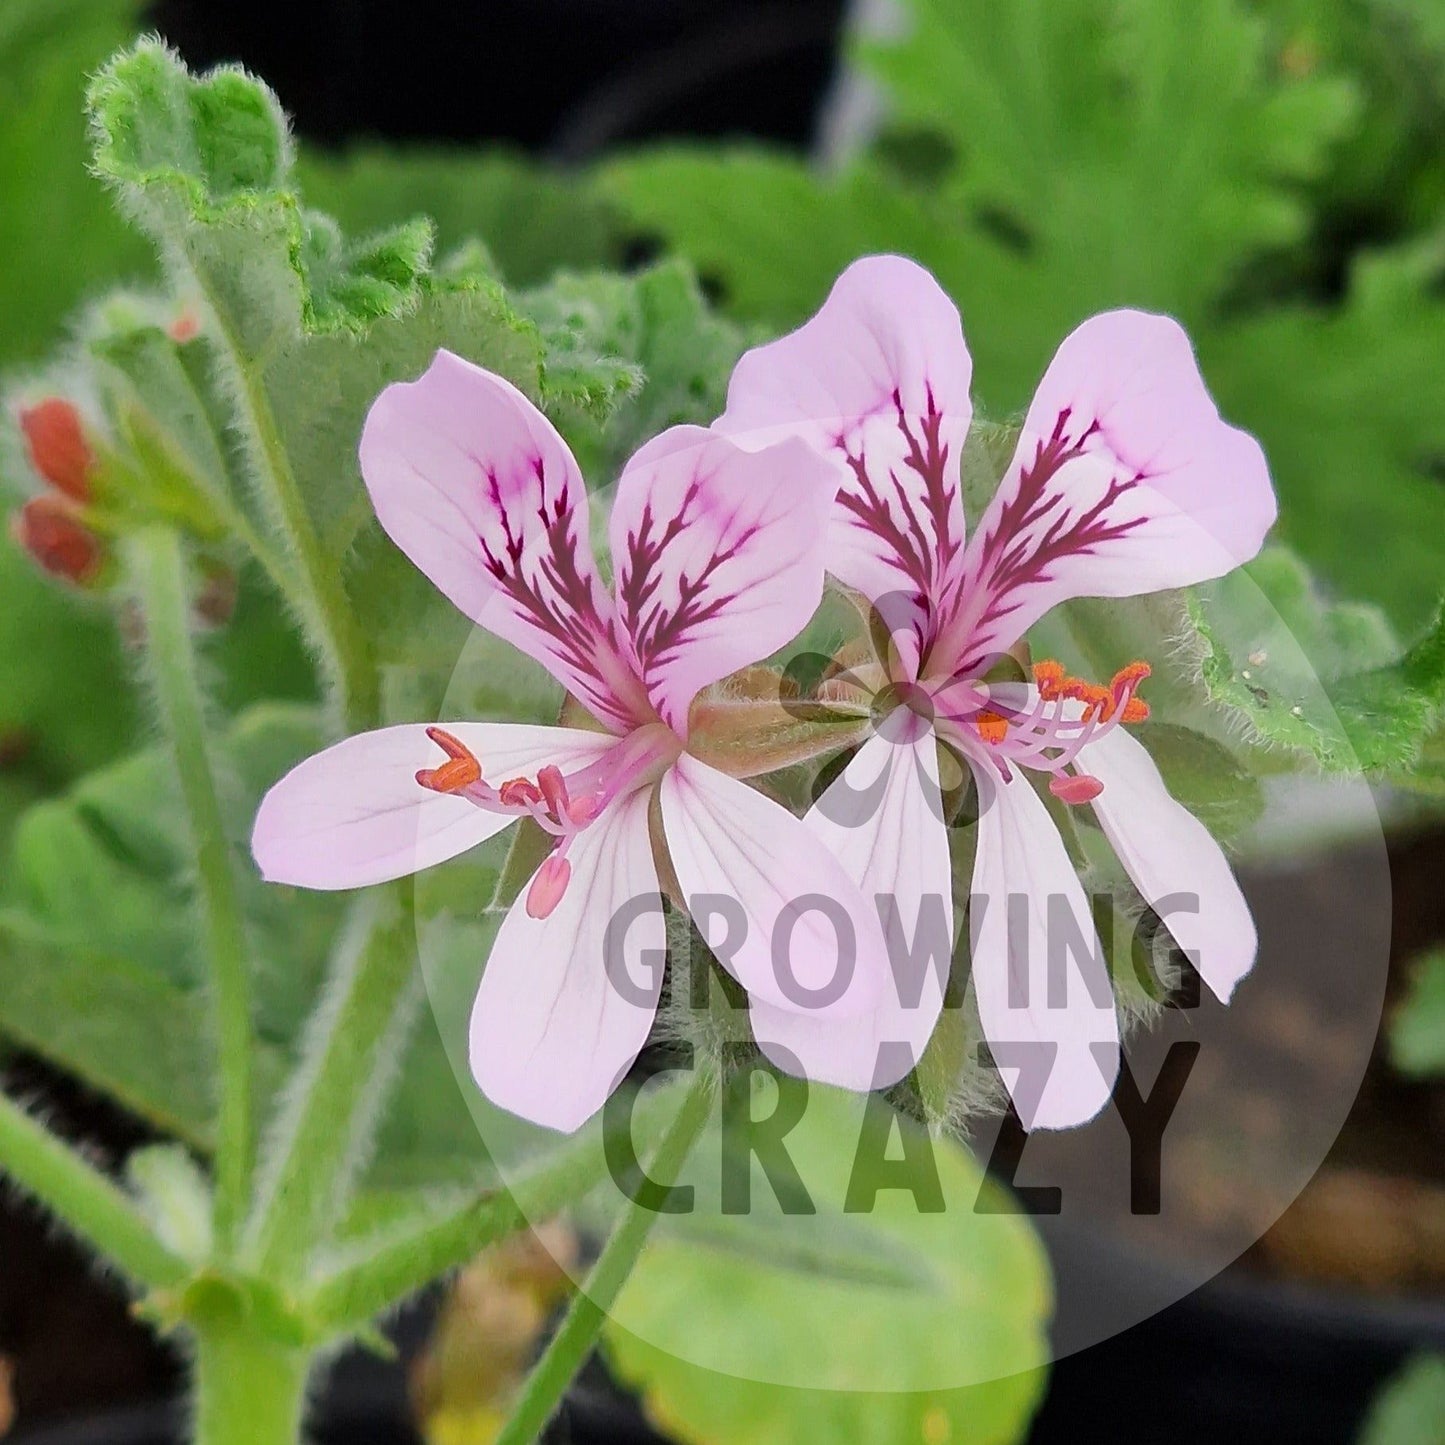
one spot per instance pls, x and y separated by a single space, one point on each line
118 1024
947 1308
1349 403
1427 773
1081 157
312 323
1386 174
643 352
773 234
1412 1407
1136 154
1324 680
533 220
100 970
1417 1028
308 326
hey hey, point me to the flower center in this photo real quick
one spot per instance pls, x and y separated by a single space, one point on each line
893 697
561 804
1045 730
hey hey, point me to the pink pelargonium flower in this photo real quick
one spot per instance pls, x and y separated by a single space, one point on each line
1124 481
718 559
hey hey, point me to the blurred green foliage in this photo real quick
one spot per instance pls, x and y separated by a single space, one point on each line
65 704
1411 1410
57 228
534 220
1417 1027
1268 173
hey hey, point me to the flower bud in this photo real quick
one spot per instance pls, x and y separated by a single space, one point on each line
186 327
58 448
49 530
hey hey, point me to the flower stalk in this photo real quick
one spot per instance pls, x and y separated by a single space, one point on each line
249 1390
158 569
316 1134
319 594
567 1350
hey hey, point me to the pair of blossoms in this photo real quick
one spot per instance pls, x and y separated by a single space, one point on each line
839 451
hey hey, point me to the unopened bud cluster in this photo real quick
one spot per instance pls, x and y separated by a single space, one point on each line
54 527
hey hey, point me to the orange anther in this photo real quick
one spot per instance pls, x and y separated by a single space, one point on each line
1134 673
1136 710
991 727
1098 701
460 770
1050 677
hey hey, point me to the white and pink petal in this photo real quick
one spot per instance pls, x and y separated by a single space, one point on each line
1043 990
879 381
718 554
355 814
780 913
1125 481
566 1002
882 819
474 484
1174 860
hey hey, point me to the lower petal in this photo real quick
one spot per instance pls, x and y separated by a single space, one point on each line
1174 861
779 911
1043 990
355 814
566 1002
882 819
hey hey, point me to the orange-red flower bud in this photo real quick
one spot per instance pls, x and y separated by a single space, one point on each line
47 528
58 448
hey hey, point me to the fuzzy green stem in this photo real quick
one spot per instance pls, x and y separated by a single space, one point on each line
326 610
342 1052
249 1390
158 569
568 1349
444 1238
83 1199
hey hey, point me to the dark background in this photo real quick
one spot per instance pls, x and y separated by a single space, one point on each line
565 77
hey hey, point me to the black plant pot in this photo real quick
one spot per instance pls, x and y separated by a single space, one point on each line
364 1403
1242 1359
